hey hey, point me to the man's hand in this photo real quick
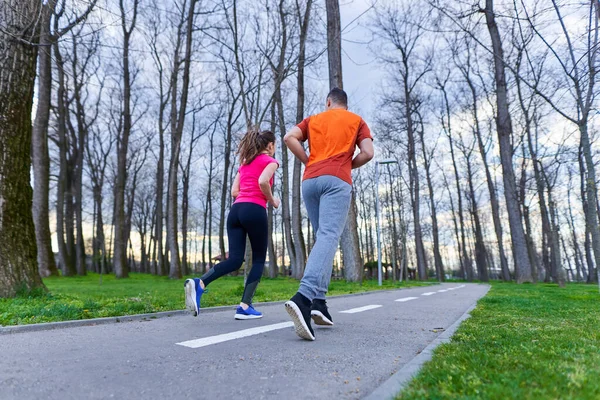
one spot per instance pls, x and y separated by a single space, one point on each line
293 141
366 153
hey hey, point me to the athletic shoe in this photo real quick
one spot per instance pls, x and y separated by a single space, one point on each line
299 309
249 313
193 293
319 313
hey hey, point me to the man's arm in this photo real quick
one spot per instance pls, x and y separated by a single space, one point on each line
366 153
293 141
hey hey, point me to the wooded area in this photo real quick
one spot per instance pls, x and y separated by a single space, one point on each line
488 107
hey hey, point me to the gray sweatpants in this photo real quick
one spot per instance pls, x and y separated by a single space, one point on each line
327 200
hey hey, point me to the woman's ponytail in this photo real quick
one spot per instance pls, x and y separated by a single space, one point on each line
253 143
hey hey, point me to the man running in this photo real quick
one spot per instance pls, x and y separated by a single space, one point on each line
327 190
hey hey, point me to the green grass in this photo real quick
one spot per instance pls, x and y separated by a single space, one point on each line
83 297
521 342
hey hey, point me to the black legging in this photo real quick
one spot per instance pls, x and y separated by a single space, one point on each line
244 219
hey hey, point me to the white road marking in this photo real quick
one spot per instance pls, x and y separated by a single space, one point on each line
427 293
361 309
443 290
406 299
207 341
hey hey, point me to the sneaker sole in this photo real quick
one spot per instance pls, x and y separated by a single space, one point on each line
244 316
320 319
190 297
299 325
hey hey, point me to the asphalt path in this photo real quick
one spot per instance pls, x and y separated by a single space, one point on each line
214 356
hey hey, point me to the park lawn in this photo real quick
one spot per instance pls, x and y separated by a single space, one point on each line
76 298
521 342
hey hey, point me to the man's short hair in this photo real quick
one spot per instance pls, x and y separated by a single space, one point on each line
338 96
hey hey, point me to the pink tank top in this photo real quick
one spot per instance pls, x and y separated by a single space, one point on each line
249 188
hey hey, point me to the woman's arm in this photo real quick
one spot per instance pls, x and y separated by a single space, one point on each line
264 181
235 188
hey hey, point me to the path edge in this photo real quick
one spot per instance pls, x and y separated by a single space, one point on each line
392 387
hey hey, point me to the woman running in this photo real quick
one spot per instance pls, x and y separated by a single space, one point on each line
247 217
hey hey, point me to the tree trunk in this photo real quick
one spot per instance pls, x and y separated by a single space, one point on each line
353 265
299 244
185 215
100 240
120 240
334 43
414 179
557 268
177 123
581 275
504 127
591 199
273 268
271 225
437 257
285 185
465 258
160 267
225 186
480 250
40 157
80 245
454 224
80 259
538 171
172 180
66 264
18 253
490 184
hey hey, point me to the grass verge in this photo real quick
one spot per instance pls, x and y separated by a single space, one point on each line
76 298
521 342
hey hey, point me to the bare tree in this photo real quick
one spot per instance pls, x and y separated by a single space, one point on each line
427 157
39 148
98 149
504 128
86 109
280 73
186 174
579 260
353 264
144 205
466 68
120 240
464 256
299 244
39 153
579 73
184 40
480 249
64 216
403 30
164 94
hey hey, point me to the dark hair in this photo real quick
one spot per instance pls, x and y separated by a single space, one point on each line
253 143
338 96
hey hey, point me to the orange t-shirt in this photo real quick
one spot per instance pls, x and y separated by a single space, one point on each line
332 138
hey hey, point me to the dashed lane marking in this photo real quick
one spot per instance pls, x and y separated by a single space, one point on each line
361 309
207 341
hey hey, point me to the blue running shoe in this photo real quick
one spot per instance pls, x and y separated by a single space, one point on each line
249 313
193 293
